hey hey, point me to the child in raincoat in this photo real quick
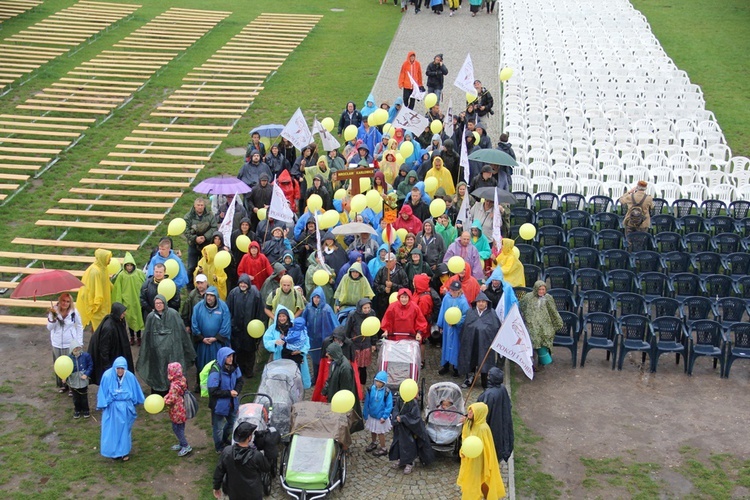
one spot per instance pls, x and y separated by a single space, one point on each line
174 400
216 277
377 413
480 477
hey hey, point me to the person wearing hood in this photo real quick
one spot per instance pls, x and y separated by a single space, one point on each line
469 283
148 292
290 187
404 319
95 296
363 346
321 168
337 337
388 165
252 169
110 341
353 286
485 142
285 339
216 276
506 147
314 264
389 278
444 177
410 438
65 330
255 265
276 161
431 244
288 149
436 72
428 302
244 229
410 67
511 265
362 155
258 198
425 138
320 320
79 378
369 135
211 328
378 262
416 265
377 413
446 231
220 205
335 257
238 473
464 249
200 226
451 159
118 395
462 191
367 247
175 402
318 186
306 242
479 241
494 287
164 341
277 245
408 220
341 377
273 282
407 183
541 317
415 158
350 116
436 145
163 254
287 295
451 334
292 268
499 416
480 477
354 256
394 110
244 304
381 147
369 106
480 327
225 384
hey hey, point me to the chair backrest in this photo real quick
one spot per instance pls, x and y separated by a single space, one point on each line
697 242
691 224
523 198
727 243
572 201
682 206
608 239
739 333
707 262
695 308
663 222
555 255
585 257
589 279
653 284
550 235
599 203
738 263
718 285
605 220
599 325
639 241
721 224
520 291
549 217
615 258
685 284
541 183
731 309
581 237
706 332
634 327
564 299
668 329
621 281
532 273
570 326
522 215
712 208
668 241
559 277
576 218
595 301
544 198
630 303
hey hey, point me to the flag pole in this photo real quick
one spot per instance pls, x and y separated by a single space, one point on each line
478 373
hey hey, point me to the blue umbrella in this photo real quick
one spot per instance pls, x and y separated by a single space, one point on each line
271 131
223 184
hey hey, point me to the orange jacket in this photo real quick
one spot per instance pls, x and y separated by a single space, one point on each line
408 67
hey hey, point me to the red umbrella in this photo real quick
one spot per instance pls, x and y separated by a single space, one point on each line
46 283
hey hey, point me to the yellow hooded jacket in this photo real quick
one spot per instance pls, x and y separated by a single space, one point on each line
95 297
444 177
216 277
510 264
483 471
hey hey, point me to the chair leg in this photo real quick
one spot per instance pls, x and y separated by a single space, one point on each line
621 357
728 366
583 354
691 363
654 361
574 354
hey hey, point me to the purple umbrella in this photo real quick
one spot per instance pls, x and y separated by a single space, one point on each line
223 184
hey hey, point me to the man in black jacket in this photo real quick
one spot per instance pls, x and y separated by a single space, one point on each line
150 289
350 116
238 473
436 72
484 100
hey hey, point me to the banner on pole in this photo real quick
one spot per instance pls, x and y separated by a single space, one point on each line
513 341
297 131
279 207
410 120
465 77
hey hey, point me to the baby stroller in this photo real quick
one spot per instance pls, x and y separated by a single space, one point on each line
259 415
314 463
442 416
401 359
282 381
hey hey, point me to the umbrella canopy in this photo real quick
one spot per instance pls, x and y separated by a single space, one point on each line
494 157
46 283
272 130
223 184
488 193
354 228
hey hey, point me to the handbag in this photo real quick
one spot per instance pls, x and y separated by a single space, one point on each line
191 404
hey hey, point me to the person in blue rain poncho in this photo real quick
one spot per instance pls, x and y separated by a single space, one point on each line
393 111
320 320
369 106
378 262
211 327
452 333
369 135
118 395
165 253
275 341
480 241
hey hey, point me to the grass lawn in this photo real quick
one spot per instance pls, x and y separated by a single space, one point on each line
711 41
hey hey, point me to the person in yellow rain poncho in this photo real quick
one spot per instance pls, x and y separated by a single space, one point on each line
216 277
127 291
95 297
510 264
388 164
444 177
480 477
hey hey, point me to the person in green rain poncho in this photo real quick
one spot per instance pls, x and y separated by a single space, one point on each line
480 241
353 286
127 291
314 265
446 230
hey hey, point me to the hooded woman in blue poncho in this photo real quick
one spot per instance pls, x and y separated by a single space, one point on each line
118 395
275 340
321 320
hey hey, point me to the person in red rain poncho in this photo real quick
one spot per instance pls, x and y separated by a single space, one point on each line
426 303
469 284
403 319
255 265
407 220
290 187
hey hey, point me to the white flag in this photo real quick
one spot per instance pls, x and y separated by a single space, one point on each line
497 223
297 131
465 77
410 120
513 341
464 161
416 93
463 213
319 248
227 225
329 141
279 207
448 120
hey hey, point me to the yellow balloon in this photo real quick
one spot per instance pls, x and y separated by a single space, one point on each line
374 201
63 367
470 97
527 231
329 219
256 329
350 133
370 326
222 259
430 100
154 404
114 266
436 126
378 117
359 203
452 315
476 137
364 184
399 159
243 243
171 268
393 297
389 129
408 390
327 123
314 203
342 401
516 252
472 447
505 74
176 227
401 233
167 288
385 236
437 207
431 184
406 149
261 214
321 277
456 264
340 194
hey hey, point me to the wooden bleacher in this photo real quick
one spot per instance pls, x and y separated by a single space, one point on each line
13 8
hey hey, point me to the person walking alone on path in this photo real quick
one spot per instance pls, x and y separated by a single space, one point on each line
410 67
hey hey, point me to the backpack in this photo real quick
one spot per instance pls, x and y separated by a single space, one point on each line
205 372
635 215
191 404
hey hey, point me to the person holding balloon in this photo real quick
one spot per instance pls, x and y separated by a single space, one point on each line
451 318
211 327
479 476
341 377
164 254
127 290
78 380
150 289
212 264
65 329
245 304
410 439
119 394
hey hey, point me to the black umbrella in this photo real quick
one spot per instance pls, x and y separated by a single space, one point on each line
488 193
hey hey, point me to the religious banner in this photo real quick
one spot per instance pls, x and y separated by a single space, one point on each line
329 141
448 120
463 217
318 247
227 225
297 131
464 161
279 207
411 120
513 341
497 224
465 77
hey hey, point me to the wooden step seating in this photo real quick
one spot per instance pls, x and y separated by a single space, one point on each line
97 87
13 8
91 245
27 50
23 320
34 270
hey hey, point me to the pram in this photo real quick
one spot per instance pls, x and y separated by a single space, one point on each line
282 381
259 415
401 359
314 463
444 422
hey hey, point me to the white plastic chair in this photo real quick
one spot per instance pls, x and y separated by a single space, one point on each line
539 168
635 174
566 185
662 174
592 187
737 163
537 154
541 184
739 177
670 191
615 189
743 193
727 193
696 191
584 171
720 153
678 161
521 183
685 176
611 173
713 178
